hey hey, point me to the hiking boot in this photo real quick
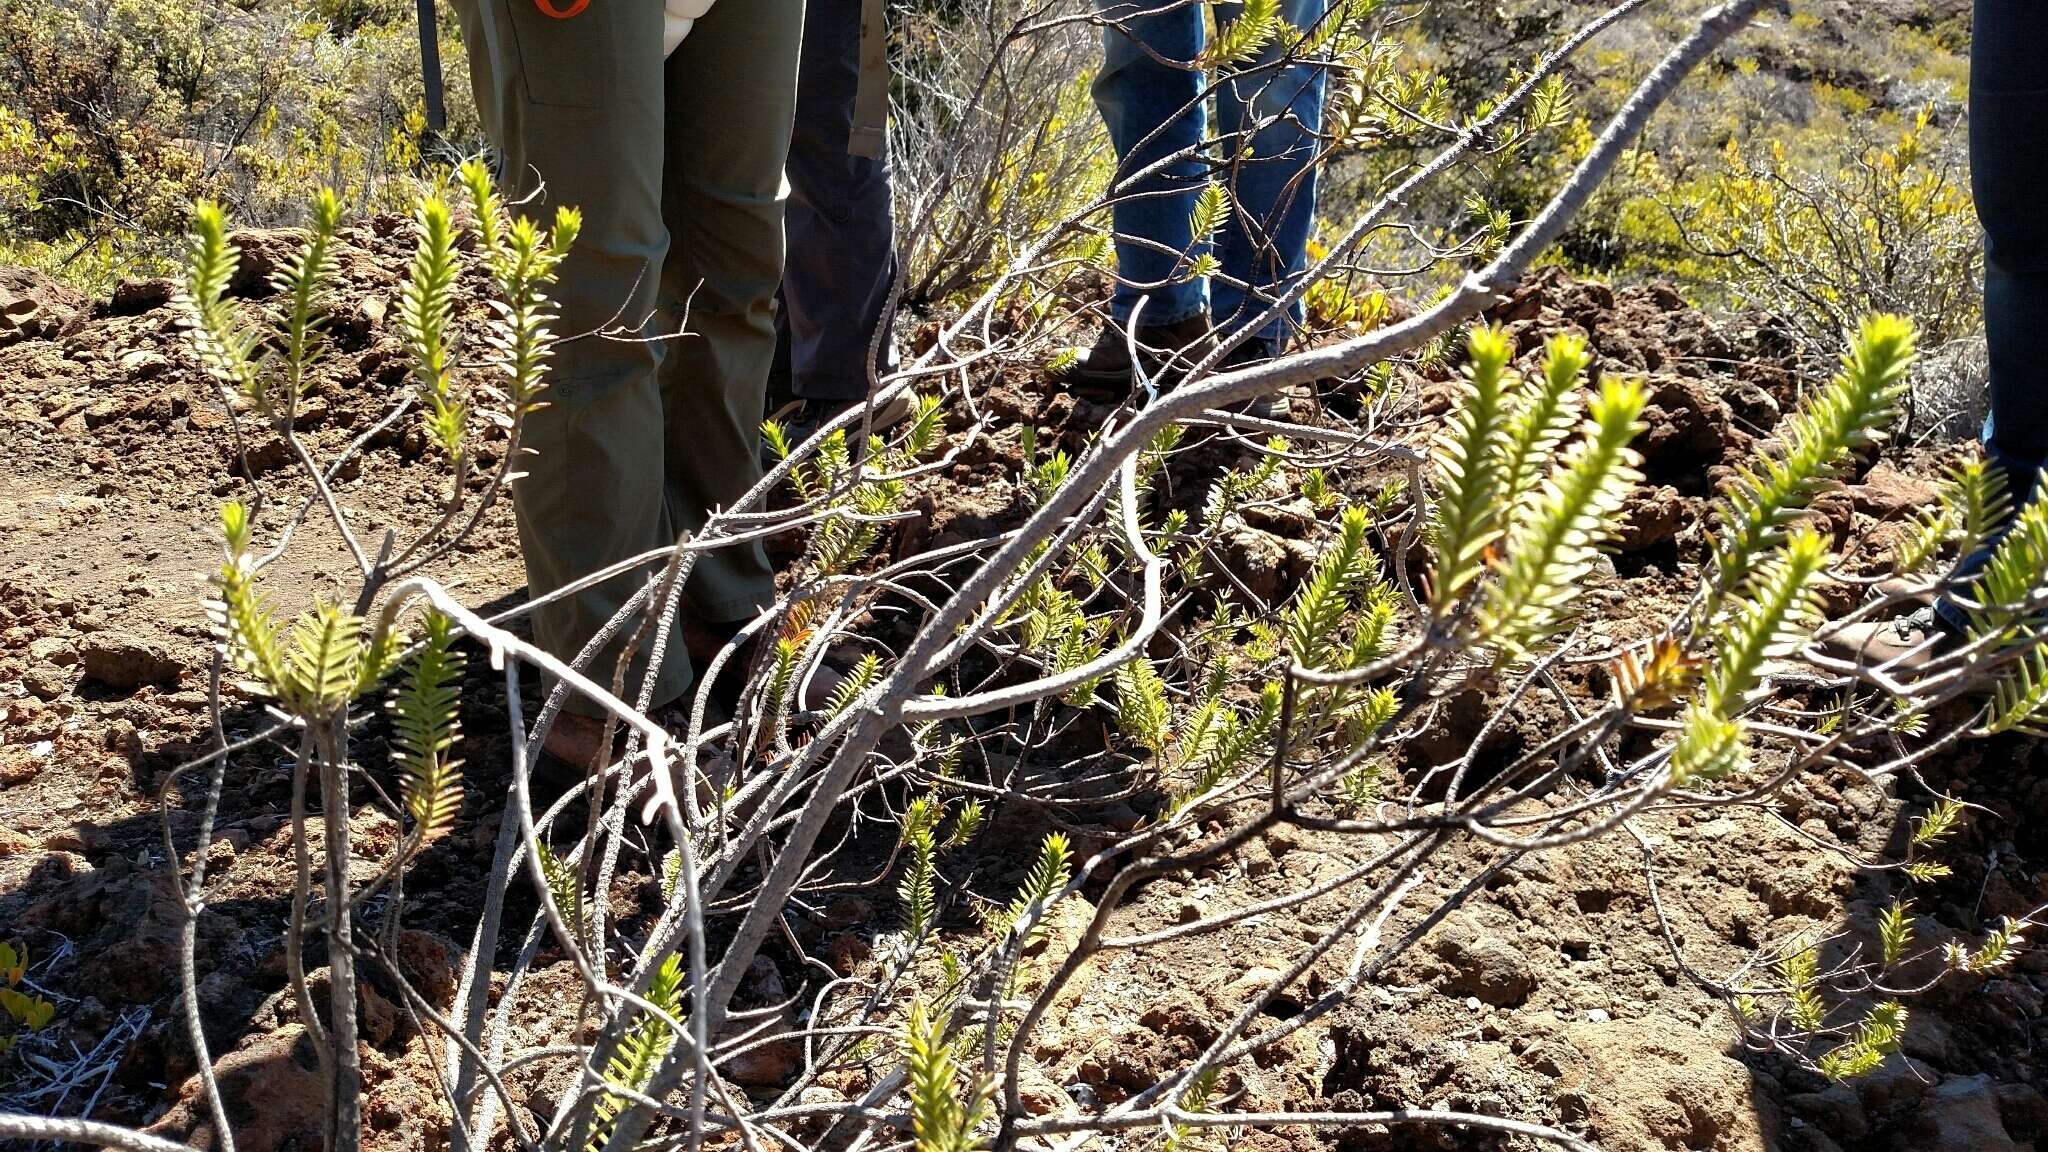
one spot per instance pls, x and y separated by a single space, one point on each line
1165 353
801 419
1904 590
576 743
1251 352
1907 643
704 641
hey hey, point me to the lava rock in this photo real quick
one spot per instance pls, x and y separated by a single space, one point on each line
273 1090
1484 965
35 307
1887 493
141 295
1961 1115
1651 516
124 662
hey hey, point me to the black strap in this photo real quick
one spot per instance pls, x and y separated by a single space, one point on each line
430 67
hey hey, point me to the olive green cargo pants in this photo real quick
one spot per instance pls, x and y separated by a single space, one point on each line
677 168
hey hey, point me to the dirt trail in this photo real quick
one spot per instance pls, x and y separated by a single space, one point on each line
1553 995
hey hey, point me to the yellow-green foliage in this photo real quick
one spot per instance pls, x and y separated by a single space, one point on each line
1517 518
425 724
643 1048
1761 600
1820 225
1877 1036
1857 404
22 1012
116 114
945 1108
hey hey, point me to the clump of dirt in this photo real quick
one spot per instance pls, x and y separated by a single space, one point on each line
1562 992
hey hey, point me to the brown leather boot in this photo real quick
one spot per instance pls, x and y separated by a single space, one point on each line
704 640
1905 645
1165 353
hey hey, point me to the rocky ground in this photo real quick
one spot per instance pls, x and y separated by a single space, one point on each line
1556 994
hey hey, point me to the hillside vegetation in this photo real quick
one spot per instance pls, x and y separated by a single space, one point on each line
1448 753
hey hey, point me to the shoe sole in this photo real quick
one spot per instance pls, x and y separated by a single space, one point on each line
894 411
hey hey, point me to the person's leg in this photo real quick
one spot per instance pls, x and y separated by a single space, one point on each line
842 252
1264 244
731 99
2009 178
574 108
2008 168
1150 108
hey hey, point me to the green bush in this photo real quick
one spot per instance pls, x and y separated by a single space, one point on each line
116 114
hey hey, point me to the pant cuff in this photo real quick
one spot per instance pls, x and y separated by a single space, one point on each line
734 609
831 388
1153 317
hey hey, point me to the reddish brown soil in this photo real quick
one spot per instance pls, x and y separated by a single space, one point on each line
1551 996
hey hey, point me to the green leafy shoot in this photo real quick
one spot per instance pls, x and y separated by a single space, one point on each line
1559 526
858 680
967 823
1857 404
1469 463
321 668
1938 823
565 888
522 261
1878 1035
1545 410
487 210
1314 621
1799 972
1049 875
1225 744
242 618
776 437
1315 488
927 420
1362 786
1709 746
225 343
2021 697
425 725
919 889
2017 569
1143 712
302 280
1778 614
1928 871
642 1049
1980 501
1212 208
1895 931
1257 25
1999 949
425 310
24 1012
944 1112
1194 1100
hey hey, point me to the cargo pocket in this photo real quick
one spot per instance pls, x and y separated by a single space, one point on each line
565 63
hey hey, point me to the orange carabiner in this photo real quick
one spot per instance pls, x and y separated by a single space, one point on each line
548 8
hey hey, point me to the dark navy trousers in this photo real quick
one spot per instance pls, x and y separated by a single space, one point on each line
2009 179
839 224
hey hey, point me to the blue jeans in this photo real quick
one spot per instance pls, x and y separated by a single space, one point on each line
2008 170
1153 110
